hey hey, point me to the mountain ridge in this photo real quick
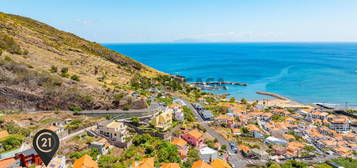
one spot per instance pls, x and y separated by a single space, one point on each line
43 68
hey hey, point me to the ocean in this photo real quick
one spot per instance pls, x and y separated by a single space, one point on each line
304 72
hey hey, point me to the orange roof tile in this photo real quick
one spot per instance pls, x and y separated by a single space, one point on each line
7 162
145 163
201 164
195 133
170 165
179 142
288 137
4 133
244 148
85 162
252 128
235 130
219 163
53 128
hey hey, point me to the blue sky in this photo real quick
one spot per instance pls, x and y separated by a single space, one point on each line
110 21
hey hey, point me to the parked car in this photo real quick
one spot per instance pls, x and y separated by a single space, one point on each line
233 147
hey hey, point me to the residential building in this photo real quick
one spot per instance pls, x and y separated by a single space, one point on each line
85 162
181 146
219 163
145 163
178 113
115 131
279 150
261 154
206 114
257 133
193 137
225 119
295 148
342 151
244 150
201 164
163 120
57 130
274 140
207 154
102 145
340 125
236 131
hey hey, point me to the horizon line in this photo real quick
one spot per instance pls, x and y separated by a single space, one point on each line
203 42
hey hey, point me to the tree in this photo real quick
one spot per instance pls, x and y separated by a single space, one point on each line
243 101
309 148
232 99
274 165
294 164
167 152
192 156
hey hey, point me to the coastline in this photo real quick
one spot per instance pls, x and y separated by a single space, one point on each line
280 101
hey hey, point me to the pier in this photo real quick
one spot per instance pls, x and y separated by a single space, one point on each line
272 95
220 83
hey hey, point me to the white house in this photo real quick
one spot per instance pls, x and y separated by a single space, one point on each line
340 125
115 131
102 145
207 154
274 140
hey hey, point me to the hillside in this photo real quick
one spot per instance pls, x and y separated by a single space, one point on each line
42 68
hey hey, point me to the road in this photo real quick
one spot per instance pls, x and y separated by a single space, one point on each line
236 160
76 133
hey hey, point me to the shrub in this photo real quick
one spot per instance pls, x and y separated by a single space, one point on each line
9 44
75 108
75 77
64 70
53 69
7 58
126 107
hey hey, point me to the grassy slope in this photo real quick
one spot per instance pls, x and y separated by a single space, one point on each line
31 48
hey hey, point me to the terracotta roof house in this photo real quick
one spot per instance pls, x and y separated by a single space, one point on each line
288 137
145 163
219 163
182 146
279 150
295 148
236 131
340 125
342 151
201 164
85 162
193 137
244 150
